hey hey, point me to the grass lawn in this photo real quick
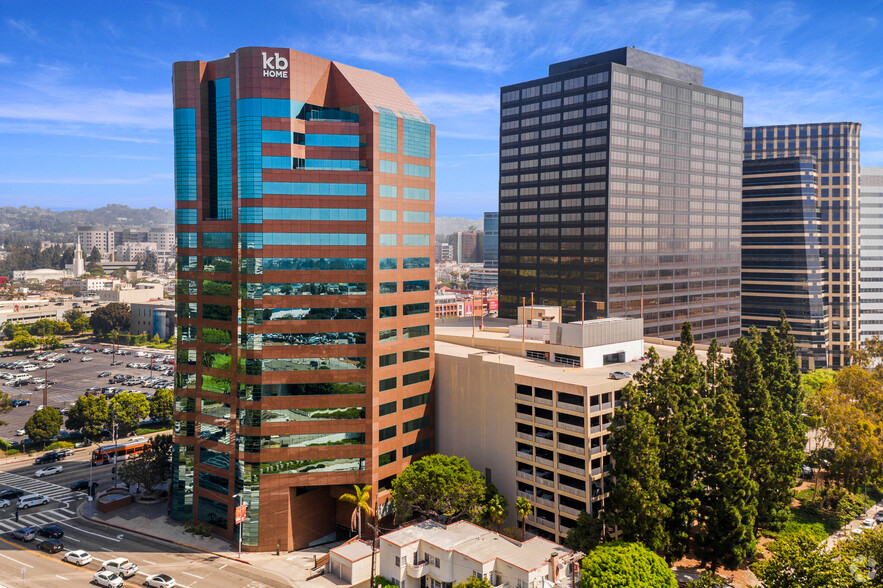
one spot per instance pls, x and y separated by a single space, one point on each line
147 430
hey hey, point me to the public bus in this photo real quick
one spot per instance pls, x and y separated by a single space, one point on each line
124 449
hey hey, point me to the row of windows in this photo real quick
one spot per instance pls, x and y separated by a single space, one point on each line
258 265
257 341
310 139
391 240
259 214
389 359
407 286
256 291
258 240
555 87
280 162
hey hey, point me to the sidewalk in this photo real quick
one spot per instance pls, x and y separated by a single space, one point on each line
151 520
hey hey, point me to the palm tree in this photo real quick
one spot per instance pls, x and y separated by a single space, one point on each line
361 498
496 510
523 508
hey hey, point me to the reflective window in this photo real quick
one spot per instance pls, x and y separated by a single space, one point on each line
217 240
211 263
416 138
258 391
186 263
412 216
388 240
388 287
314 189
388 167
412 169
388 263
415 286
185 240
388 191
213 433
185 216
415 193
413 332
416 308
388 335
389 133
389 216
296 364
256 291
415 354
185 153
258 240
312 263
415 263
259 214
415 240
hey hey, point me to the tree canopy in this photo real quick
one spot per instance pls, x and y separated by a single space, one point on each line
586 534
161 405
625 565
798 561
440 487
151 467
44 424
115 316
89 415
127 410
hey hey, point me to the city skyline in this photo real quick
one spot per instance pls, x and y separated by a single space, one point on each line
90 91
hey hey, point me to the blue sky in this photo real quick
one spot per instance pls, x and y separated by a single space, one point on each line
85 91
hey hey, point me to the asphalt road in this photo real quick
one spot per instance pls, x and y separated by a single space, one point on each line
72 380
190 569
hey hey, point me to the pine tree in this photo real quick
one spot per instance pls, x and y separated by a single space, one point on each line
761 439
728 503
636 500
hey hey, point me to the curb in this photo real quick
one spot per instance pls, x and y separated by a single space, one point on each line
163 539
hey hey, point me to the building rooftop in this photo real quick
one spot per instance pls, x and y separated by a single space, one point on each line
478 543
353 551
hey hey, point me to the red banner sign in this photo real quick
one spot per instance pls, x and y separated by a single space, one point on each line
240 513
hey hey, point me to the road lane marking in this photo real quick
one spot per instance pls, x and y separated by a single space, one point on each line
194 575
106 549
153 563
69 538
62 577
90 532
16 561
223 566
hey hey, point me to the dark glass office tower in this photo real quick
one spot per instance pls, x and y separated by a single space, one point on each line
620 179
305 214
835 147
781 256
491 239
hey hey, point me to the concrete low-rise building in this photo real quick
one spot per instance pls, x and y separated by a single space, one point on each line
432 555
530 407
154 317
132 294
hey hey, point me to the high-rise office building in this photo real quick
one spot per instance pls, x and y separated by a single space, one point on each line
620 181
781 267
491 239
835 147
871 315
305 215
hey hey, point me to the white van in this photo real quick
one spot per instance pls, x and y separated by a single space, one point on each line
31 500
29 368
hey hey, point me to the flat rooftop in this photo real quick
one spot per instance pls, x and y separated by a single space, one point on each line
478 543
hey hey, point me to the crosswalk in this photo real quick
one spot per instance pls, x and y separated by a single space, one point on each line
56 494
40 486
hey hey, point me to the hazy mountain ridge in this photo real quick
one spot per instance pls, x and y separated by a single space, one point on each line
43 222
445 225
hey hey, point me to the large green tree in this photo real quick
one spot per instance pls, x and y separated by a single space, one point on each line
625 565
151 467
44 424
89 415
798 561
72 314
728 505
80 325
161 405
115 316
638 500
127 410
21 341
439 487
586 534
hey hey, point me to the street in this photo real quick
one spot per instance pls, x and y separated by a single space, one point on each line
22 564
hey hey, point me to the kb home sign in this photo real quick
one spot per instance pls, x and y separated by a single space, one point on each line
275 66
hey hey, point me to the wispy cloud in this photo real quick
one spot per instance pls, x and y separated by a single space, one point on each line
23 27
5 59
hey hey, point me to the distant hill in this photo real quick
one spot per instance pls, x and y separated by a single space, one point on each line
43 223
445 225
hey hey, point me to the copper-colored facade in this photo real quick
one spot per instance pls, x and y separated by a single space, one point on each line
305 215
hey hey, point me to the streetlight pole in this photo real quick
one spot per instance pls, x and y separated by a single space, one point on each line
113 473
45 386
239 525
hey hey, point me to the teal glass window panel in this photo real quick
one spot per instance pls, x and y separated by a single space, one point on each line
221 186
320 314
214 433
388 263
214 263
314 263
389 133
185 216
217 240
415 240
185 153
276 162
413 169
185 240
214 483
329 140
416 138
301 214
256 291
413 216
330 164
388 239
314 189
415 193
217 459
388 191
388 167
389 216
415 263
415 286
284 137
258 240
186 263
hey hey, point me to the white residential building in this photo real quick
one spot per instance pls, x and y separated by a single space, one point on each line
871 282
433 555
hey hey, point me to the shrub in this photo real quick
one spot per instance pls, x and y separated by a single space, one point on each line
59 445
13 451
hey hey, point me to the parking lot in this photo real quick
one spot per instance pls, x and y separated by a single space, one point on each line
73 378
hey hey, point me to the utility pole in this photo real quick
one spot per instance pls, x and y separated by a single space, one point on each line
113 473
376 529
45 386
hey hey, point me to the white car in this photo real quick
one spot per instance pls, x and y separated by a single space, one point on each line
619 375
107 579
86 358
28 368
121 566
20 433
48 365
79 558
4 503
161 581
48 471
869 524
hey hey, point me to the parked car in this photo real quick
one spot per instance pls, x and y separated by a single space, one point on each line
82 485
79 557
48 458
121 566
48 471
64 359
20 433
619 375
869 524
11 494
86 358
65 451
20 402
103 374
805 472
25 534
879 517
51 546
4 503
107 579
48 365
29 500
51 531
161 581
